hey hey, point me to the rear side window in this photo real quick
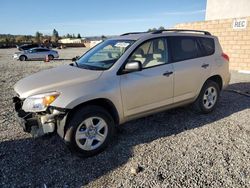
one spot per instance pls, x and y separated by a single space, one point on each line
208 45
184 48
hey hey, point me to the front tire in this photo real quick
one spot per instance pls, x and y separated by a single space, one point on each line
51 57
208 98
89 130
22 58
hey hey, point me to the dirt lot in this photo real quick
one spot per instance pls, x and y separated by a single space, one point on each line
177 148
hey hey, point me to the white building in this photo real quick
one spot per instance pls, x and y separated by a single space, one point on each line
70 41
94 43
89 43
223 9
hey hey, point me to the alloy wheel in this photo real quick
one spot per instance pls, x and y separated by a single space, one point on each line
210 97
91 133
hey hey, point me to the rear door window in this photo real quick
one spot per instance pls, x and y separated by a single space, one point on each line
184 48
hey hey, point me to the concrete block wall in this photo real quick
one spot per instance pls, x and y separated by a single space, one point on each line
235 43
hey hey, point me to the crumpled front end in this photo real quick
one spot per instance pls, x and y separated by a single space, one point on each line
37 123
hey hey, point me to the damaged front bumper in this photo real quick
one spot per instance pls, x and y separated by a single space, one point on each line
37 124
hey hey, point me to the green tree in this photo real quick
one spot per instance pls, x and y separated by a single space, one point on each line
103 37
55 36
150 30
12 39
79 36
27 38
38 37
7 40
20 38
68 35
161 28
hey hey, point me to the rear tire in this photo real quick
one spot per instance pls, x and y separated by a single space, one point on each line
89 131
22 58
208 98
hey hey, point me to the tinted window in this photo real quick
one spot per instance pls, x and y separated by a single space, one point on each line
151 53
26 47
42 50
208 45
32 50
184 48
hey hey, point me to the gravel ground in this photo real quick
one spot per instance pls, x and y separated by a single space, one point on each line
176 148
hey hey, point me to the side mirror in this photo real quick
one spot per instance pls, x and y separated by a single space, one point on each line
133 66
75 58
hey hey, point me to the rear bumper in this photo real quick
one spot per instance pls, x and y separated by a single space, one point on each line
227 80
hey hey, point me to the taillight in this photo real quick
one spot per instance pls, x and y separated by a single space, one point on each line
225 56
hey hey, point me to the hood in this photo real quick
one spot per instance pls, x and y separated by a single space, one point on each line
52 79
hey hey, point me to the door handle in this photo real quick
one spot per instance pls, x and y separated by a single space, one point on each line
204 66
168 73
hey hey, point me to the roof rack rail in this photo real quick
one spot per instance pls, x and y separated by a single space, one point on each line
181 30
132 33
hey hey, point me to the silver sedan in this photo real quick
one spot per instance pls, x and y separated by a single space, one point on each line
36 54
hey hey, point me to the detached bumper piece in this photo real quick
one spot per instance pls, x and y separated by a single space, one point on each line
26 120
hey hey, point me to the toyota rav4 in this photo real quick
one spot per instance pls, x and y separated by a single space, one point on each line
120 79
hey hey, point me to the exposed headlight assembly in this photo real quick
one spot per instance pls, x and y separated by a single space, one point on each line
40 102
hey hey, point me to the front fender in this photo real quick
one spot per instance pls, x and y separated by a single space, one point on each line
81 93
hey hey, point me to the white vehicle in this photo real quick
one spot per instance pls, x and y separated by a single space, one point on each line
120 79
36 54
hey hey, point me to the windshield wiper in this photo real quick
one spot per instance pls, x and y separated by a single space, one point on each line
89 67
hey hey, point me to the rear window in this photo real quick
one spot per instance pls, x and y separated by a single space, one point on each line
184 48
208 45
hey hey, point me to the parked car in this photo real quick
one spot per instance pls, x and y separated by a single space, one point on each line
36 54
121 79
28 46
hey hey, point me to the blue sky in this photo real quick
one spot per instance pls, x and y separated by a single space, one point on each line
96 17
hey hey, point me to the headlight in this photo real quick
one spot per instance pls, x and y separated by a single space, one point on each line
39 103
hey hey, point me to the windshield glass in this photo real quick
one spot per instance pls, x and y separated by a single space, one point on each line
104 55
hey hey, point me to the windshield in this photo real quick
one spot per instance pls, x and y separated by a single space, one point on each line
104 55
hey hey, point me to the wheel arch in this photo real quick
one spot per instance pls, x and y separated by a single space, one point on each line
102 102
217 79
51 55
